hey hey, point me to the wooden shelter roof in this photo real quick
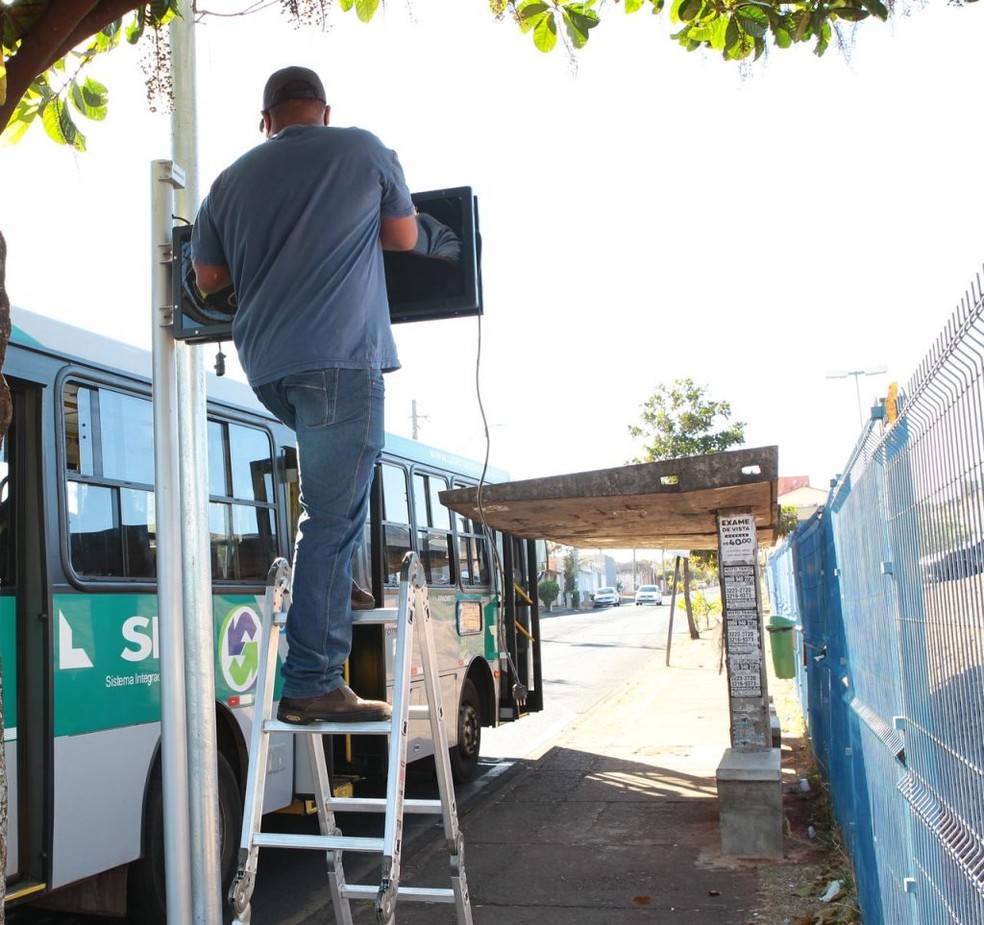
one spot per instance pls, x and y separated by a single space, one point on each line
671 504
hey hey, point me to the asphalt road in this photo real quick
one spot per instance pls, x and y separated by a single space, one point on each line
584 655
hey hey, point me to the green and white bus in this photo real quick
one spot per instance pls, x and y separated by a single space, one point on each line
79 623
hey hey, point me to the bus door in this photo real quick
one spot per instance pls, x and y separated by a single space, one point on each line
522 629
23 641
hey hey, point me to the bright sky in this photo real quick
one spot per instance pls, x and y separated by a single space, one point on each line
648 215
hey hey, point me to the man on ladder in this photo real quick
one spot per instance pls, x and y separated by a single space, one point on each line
297 227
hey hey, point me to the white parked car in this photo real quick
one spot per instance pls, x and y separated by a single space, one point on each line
606 597
648 594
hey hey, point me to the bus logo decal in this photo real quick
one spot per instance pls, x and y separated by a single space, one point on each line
68 655
239 655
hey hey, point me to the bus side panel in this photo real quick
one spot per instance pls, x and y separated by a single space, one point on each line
8 663
107 665
100 780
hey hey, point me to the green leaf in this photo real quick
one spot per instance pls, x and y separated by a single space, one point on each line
783 38
578 21
529 15
59 125
657 6
712 31
162 10
689 9
109 36
850 13
135 29
583 17
733 34
753 20
823 39
876 8
89 99
545 33
366 9
14 132
675 10
799 21
633 6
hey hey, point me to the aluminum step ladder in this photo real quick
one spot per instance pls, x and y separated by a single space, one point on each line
413 608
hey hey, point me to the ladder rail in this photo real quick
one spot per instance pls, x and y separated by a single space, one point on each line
276 603
411 578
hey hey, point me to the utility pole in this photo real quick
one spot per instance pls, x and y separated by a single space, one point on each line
414 418
857 374
190 778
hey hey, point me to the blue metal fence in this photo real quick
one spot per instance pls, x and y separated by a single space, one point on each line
886 583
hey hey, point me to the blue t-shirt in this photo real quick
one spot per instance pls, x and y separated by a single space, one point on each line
296 221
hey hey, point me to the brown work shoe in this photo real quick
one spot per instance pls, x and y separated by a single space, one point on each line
362 599
341 705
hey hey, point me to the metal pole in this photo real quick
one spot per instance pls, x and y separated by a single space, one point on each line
203 804
174 743
669 627
857 393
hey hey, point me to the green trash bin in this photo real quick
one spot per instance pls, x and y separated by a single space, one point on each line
781 642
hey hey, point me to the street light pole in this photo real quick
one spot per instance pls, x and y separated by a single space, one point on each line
857 374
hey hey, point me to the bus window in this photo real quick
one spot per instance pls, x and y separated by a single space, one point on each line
396 520
433 528
241 509
473 551
109 459
7 544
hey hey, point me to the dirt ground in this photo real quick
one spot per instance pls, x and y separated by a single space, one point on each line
793 889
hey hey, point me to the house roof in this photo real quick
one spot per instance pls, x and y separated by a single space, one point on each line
671 504
788 483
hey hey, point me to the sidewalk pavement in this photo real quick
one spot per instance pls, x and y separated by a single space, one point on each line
615 823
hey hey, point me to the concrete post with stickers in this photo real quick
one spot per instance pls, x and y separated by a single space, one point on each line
749 777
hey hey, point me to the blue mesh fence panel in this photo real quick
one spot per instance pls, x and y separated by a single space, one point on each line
888 588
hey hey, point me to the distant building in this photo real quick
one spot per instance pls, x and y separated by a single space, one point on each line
796 490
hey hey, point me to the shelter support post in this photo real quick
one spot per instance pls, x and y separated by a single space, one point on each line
749 777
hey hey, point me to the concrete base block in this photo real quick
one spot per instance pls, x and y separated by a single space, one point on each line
749 786
775 728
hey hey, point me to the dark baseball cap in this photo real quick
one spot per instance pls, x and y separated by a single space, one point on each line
292 83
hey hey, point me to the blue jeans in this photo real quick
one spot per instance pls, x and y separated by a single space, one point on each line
337 415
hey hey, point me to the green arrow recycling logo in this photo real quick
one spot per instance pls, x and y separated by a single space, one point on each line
239 643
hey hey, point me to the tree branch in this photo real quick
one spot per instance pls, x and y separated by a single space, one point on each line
63 25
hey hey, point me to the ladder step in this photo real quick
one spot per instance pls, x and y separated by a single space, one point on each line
378 805
414 893
381 616
376 727
317 842
381 727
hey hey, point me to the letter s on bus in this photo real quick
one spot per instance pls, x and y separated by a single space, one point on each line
142 632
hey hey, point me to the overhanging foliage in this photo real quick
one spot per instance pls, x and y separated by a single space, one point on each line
47 43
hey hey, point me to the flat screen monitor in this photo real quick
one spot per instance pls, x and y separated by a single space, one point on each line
447 283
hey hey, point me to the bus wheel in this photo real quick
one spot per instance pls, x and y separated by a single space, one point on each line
145 881
464 754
